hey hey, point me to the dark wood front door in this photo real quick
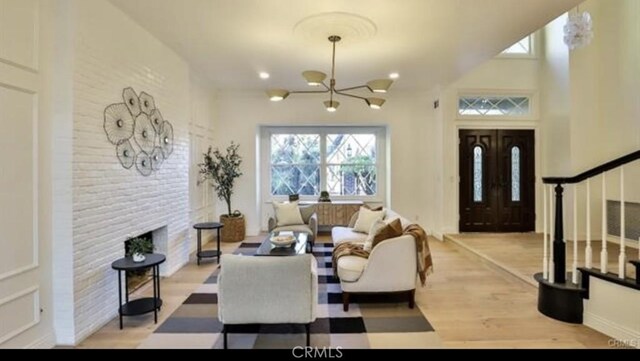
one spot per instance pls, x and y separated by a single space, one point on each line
497 181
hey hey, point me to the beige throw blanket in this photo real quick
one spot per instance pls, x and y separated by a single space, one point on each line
424 261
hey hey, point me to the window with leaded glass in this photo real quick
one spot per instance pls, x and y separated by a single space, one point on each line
351 164
478 168
522 47
295 164
345 161
494 106
515 174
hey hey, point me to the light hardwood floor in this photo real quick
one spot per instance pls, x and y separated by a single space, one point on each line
521 253
470 305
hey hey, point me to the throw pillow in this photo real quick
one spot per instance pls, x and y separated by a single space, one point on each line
366 218
391 230
306 212
375 228
287 214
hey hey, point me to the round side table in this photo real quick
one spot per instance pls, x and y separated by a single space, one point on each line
142 305
208 254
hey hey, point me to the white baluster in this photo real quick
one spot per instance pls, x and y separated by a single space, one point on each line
588 250
604 256
574 268
622 259
545 256
552 271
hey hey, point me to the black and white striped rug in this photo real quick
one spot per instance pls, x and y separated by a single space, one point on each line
370 323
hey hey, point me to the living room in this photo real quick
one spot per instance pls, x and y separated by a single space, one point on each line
89 80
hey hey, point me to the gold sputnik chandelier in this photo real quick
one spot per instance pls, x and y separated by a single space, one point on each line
316 78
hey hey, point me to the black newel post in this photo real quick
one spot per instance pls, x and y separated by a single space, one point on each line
559 250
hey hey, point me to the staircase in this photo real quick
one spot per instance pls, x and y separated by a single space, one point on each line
562 293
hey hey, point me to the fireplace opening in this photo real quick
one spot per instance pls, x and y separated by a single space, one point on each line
136 279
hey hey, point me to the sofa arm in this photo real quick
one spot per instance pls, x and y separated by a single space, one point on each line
272 223
354 219
391 266
313 224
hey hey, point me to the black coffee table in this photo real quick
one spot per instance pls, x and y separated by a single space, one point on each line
300 246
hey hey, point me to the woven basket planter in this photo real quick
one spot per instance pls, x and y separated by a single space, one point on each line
233 230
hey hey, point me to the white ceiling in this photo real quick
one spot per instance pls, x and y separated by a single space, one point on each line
429 42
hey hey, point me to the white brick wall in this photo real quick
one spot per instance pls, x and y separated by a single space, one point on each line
110 203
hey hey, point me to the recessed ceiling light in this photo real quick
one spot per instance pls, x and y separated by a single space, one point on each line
394 76
264 75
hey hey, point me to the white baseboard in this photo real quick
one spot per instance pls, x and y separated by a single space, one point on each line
45 342
614 330
438 236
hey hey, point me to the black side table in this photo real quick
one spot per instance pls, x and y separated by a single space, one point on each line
141 305
208 254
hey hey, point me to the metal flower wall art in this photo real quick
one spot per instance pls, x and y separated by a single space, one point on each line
141 135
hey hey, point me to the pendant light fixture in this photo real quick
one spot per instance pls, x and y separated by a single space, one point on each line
316 78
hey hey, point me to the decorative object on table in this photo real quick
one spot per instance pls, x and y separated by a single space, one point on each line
324 197
578 32
138 247
139 131
316 79
282 239
294 197
221 170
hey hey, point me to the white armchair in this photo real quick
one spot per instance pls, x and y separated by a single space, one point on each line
267 290
309 225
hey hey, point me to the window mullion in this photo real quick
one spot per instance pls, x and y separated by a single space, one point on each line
323 161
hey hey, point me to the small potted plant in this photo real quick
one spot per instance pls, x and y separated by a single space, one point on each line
138 247
221 170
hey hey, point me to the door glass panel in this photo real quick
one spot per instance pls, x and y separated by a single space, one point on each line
515 174
477 174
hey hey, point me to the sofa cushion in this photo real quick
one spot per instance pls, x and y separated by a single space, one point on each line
366 218
350 268
287 214
344 234
392 216
375 228
391 230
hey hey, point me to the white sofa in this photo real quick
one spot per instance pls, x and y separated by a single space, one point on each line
391 266
267 290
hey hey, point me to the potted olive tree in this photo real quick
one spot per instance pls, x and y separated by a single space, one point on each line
221 170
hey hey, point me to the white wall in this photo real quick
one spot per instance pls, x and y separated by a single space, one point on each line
497 76
613 310
408 115
604 88
605 85
201 196
28 102
65 61
112 204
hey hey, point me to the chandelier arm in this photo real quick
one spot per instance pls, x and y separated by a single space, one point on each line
309 92
351 95
326 86
353 88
